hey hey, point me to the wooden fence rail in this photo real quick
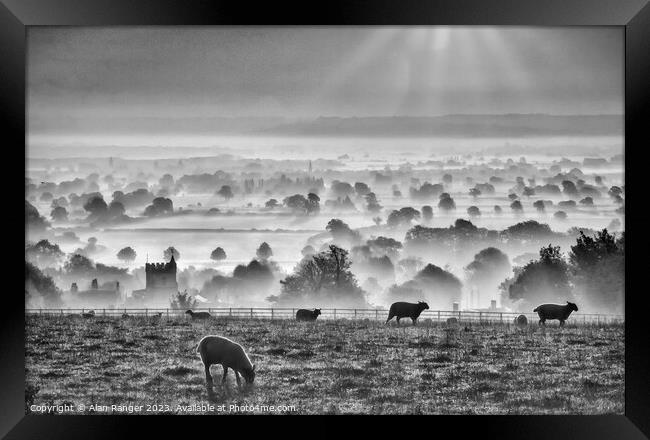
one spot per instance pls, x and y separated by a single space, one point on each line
351 314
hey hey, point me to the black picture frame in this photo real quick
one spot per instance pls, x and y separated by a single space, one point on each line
633 15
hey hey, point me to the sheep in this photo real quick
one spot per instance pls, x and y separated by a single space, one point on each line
307 315
406 310
88 314
125 315
220 350
555 311
198 315
521 321
452 321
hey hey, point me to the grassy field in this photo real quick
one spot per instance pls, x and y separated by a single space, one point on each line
328 367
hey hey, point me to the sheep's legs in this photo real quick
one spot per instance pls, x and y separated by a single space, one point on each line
208 378
238 378
225 374
562 323
415 321
542 322
398 322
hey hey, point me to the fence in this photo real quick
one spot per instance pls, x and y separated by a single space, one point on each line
487 317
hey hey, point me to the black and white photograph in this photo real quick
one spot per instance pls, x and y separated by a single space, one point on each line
325 220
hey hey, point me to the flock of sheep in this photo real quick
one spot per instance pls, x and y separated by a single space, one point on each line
218 350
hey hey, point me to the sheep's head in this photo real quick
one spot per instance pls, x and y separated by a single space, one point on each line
249 375
572 306
316 312
423 305
189 312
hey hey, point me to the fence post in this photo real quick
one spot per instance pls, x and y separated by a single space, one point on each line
376 313
438 315
230 312
480 317
146 312
251 312
40 312
355 313
271 313
104 312
167 310
334 313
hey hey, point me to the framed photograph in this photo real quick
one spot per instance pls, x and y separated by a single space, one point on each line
381 209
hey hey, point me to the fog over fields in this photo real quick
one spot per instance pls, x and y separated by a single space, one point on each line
377 164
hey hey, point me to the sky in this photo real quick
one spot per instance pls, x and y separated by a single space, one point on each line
306 72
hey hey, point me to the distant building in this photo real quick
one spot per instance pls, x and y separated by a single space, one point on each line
96 297
161 283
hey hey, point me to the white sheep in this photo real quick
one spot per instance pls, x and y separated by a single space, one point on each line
229 354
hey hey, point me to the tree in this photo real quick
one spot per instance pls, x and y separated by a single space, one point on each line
182 301
598 268
171 250
446 203
312 204
271 204
372 205
427 213
226 192
325 276
528 230
488 266
264 252
341 232
447 178
159 206
126 254
44 253
78 265
539 205
33 219
560 215
96 206
37 283
361 188
569 188
297 202
473 211
218 254
59 214
384 246
516 206
341 189
544 280
403 216
116 209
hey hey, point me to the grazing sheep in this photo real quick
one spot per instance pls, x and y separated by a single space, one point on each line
198 315
452 321
406 310
307 315
220 350
125 315
555 311
521 321
88 314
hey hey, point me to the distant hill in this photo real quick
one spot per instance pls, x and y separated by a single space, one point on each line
455 126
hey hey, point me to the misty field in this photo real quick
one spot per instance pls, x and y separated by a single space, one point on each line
330 366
